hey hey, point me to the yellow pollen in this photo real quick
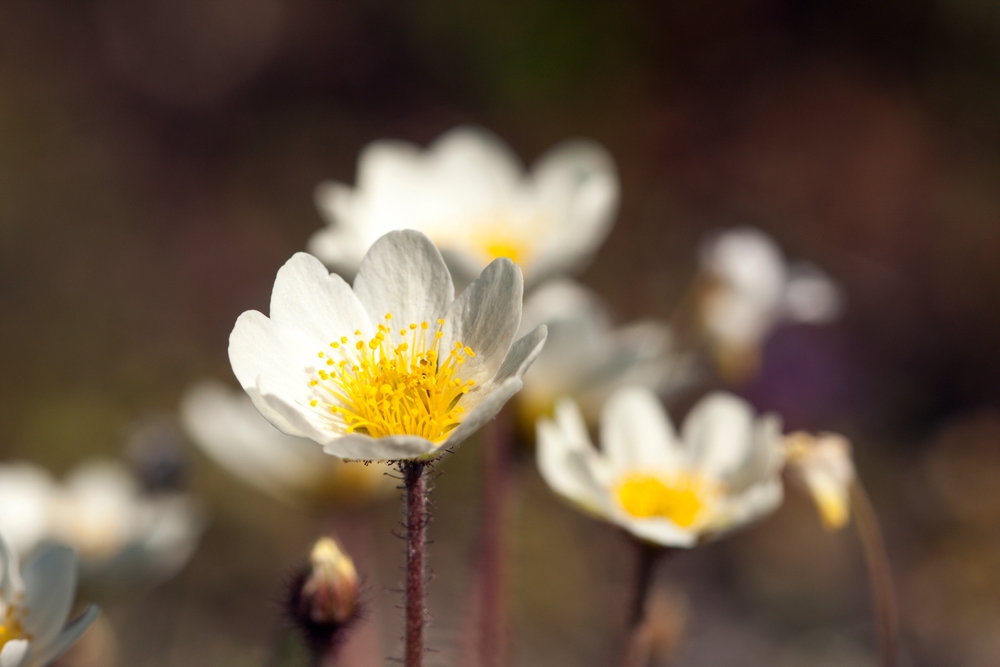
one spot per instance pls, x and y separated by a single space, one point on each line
394 386
10 627
682 499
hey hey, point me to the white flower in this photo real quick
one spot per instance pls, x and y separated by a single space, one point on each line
228 427
396 368
586 357
121 535
470 194
825 465
34 605
721 473
752 289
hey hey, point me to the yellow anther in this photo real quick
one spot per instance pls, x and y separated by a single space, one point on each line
388 316
438 334
424 325
360 345
312 403
329 362
321 355
413 327
313 383
441 322
468 351
343 340
335 345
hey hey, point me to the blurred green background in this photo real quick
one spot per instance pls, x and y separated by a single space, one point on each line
157 162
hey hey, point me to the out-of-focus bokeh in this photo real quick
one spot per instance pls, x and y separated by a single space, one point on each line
157 166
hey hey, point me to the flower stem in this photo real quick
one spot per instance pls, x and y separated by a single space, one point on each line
415 483
496 495
637 648
879 575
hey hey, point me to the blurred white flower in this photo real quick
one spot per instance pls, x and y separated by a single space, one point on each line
396 368
228 427
470 194
752 289
586 358
35 602
721 473
121 535
825 465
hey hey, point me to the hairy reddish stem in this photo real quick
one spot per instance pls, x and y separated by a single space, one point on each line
415 483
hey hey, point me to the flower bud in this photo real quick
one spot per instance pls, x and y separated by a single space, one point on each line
824 464
324 596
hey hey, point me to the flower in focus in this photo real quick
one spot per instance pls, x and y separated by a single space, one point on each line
34 604
396 368
228 427
721 473
751 289
586 357
122 536
824 464
469 193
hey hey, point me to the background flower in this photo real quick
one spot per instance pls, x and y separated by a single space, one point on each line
228 428
124 537
470 194
721 473
586 357
35 602
751 289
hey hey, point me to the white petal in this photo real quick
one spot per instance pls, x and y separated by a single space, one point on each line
764 458
561 456
308 298
718 434
485 317
11 584
748 261
309 308
231 430
65 639
15 653
660 531
754 503
577 182
26 492
522 353
485 409
403 274
636 433
811 296
360 447
262 353
50 587
478 162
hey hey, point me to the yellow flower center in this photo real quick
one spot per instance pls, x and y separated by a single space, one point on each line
393 384
11 627
683 499
497 237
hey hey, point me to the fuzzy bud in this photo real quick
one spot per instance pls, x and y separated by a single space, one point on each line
324 596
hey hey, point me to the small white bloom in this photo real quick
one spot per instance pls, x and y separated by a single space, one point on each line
228 427
35 602
470 194
752 289
396 368
120 534
721 473
825 465
586 357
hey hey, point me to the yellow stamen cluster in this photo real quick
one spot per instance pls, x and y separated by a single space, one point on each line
683 499
396 383
11 627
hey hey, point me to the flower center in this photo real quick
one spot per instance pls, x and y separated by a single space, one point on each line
10 625
682 499
393 384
